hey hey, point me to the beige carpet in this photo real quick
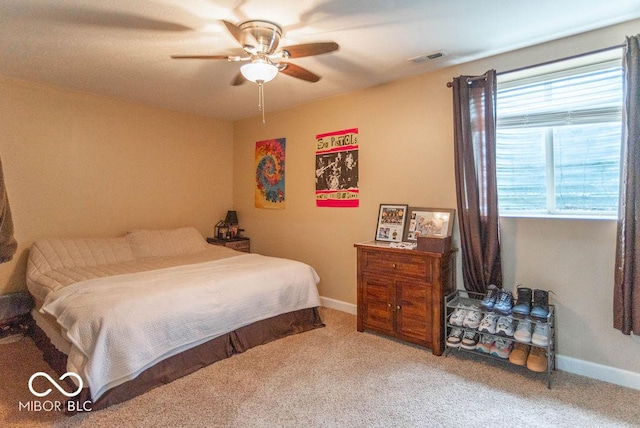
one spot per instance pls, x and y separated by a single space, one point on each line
337 377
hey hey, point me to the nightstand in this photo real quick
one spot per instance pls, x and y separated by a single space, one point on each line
238 244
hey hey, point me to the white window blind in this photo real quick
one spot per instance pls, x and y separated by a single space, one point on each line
558 142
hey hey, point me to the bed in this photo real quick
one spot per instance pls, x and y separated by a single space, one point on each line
131 313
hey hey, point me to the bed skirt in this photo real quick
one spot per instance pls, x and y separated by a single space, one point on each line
191 360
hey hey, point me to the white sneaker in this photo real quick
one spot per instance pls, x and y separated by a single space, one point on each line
505 326
472 319
469 340
502 348
458 315
455 337
488 323
540 335
485 344
523 331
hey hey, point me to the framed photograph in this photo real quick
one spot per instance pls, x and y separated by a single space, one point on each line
391 221
432 222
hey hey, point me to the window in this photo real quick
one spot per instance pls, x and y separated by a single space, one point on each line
558 141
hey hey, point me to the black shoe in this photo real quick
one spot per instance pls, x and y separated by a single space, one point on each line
523 302
540 309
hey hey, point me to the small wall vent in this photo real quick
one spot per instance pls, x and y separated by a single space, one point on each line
429 57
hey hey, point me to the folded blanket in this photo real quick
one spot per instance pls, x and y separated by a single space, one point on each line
119 326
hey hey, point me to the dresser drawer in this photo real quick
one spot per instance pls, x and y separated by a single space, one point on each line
238 244
398 265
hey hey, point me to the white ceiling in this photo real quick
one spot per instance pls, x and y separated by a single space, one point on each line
122 48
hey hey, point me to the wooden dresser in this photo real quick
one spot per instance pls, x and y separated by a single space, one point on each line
401 292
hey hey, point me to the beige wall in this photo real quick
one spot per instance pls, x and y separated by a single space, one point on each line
80 165
406 156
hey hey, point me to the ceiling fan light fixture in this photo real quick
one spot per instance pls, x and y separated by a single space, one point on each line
259 72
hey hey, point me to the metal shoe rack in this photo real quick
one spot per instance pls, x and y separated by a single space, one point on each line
460 298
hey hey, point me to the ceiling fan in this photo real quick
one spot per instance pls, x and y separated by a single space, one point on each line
259 40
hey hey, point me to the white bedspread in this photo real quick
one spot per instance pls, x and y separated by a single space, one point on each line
121 325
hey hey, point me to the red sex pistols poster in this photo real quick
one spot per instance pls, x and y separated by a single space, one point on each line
337 169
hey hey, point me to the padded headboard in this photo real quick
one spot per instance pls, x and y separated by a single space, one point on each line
164 243
54 263
51 254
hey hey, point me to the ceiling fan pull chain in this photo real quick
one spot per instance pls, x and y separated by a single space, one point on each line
261 100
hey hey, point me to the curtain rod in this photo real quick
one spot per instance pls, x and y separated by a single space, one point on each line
471 79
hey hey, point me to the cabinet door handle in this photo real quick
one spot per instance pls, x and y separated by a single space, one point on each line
397 308
389 304
393 265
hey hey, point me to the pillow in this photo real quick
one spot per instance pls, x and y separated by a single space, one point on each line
162 243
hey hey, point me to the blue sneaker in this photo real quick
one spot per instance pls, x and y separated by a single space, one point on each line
504 304
490 298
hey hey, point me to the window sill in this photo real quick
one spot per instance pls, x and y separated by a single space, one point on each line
560 216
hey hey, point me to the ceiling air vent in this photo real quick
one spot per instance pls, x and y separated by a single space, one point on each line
424 58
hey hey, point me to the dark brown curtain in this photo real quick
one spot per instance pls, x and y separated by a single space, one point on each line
8 243
626 292
474 113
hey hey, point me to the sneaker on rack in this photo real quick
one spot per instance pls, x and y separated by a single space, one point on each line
523 331
485 344
505 326
472 319
501 348
540 305
522 306
458 315
455 337
490 298
469 340
537 360
519 354
504 304
540 335
488 323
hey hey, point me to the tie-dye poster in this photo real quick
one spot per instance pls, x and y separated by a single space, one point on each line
337 169
269 164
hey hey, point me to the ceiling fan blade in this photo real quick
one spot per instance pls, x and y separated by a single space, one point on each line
235 31
299 72
238 80
309 49
200 57
91 16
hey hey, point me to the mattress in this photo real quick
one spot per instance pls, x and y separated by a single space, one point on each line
166 311
43 282
122 312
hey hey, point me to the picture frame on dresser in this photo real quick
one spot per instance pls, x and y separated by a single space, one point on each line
429 222
391 222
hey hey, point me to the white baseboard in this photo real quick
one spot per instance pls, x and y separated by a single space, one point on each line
564 363
598 371
339 305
